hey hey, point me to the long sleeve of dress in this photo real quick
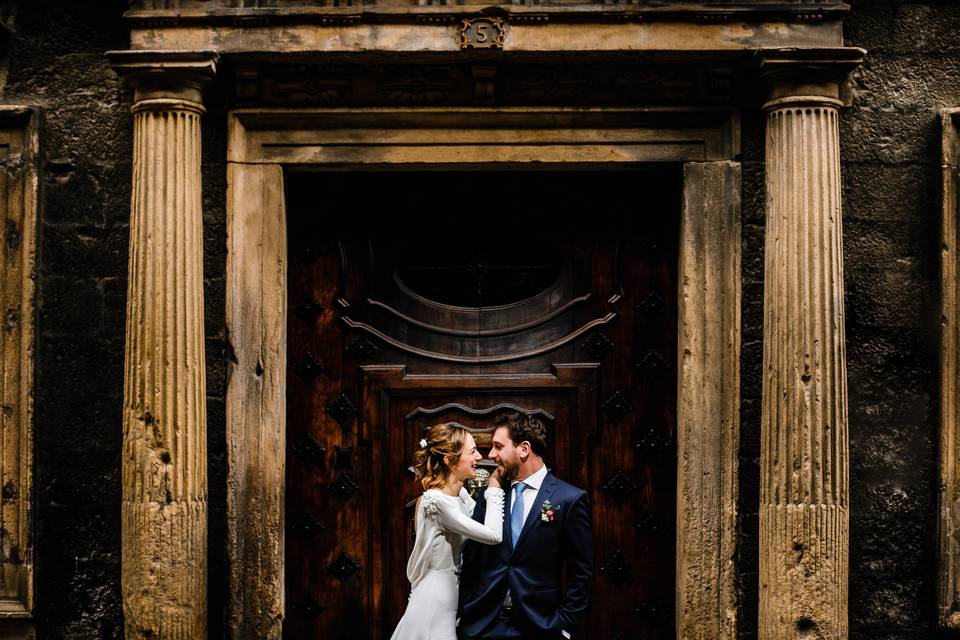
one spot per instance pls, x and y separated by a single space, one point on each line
451 518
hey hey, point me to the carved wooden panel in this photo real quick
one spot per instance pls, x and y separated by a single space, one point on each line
568 338
948 582
18 192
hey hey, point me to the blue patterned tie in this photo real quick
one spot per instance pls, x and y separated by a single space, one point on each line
516 512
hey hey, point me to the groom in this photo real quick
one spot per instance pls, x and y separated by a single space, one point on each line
513 590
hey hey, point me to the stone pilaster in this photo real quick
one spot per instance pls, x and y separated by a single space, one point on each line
164 507
804 489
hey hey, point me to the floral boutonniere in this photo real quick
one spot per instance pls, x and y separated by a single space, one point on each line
548 512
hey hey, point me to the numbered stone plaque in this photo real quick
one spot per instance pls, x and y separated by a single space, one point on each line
482 33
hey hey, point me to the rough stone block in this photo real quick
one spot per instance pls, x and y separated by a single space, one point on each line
870 24
888 82
216 367
928 26
74 368
113 320
72 196
905 134
214 252
905 194
753 193
214 307
888 603
752 257
873 245
84 251
890 545
908 496
889 447
896 296
70 307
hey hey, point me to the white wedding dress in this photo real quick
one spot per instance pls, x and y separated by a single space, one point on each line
443 523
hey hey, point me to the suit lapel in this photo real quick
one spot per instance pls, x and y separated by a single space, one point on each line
507 530
545 493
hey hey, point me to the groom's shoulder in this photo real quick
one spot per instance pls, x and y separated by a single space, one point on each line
567 489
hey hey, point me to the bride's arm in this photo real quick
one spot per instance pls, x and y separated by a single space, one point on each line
451 518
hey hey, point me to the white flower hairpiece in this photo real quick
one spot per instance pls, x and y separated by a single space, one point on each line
423 443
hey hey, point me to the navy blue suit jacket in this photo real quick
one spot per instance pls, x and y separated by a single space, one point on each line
532 571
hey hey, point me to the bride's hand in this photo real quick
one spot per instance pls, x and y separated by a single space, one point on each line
494 480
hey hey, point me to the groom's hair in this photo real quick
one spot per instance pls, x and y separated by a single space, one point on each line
521 426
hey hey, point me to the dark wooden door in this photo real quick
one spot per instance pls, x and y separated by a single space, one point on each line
418 298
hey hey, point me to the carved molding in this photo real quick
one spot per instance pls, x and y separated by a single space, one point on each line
708 403
491 359
407 137
256 309
161 15
948 583
19 151
256 393
477 412
481 333
502 82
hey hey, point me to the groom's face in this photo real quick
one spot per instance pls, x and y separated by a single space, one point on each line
505 454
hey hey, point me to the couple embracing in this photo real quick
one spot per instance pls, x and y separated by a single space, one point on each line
491 569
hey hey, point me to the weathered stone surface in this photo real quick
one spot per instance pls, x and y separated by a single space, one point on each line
889 174
804 500
875 192
897 135
891 179
164 508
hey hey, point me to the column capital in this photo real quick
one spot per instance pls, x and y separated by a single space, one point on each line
165 78
794 76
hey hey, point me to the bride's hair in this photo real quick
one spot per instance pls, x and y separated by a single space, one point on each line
446 439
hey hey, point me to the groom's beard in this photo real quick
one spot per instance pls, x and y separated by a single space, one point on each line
509 473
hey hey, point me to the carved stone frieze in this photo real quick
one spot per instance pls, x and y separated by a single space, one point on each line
415 85
480 84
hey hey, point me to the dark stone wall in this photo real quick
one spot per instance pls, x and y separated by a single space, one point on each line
891 172
891 217
57 64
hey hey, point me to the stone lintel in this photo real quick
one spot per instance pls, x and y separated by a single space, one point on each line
162 76
814 75
547 31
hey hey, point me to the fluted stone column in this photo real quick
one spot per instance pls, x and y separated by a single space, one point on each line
804 452
164 508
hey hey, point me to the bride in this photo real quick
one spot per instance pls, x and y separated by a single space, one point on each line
448 455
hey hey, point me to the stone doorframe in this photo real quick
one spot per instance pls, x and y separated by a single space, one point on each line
263 143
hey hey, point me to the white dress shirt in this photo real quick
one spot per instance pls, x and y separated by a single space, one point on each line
533 482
